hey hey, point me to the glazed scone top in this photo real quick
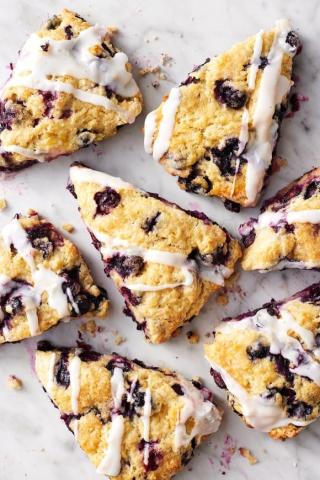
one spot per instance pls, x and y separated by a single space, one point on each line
165 261
269 361
132 421
70 87
285 235
218 129
43 279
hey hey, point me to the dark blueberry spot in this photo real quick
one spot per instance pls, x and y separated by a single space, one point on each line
130 408
109 50
66 113
45 346
310 294
195 182
317 339
62 372
14 305
217 378
68 418
282 367
48 100
225 158
263 63
71 189
35 122
106 201
247 232
7 116
7 156
197 67
311 189
68 31
83 302
225 93
45 238
283 197
299 409
53 22
85 138
232 206
150 222
189 80
257 351
178 389
293 40
79 17
89 356
200 216
217 257
273 308
155 456
45 46
119 362
130 297
123 265
109 91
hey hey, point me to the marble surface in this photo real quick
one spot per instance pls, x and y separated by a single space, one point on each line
34 442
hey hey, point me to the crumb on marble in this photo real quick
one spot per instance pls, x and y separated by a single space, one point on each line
278 163
68 227
155 84
193 337
14 382
31 212
166 60
246 453
112 29
147 70
119 340
3 204
222 298
154 38
89 327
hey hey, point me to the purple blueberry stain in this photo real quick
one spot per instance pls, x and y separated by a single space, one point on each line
106 201
7 115
45 46
155 456
119 362
217 378
68 31
48 100
124 265
299 409
226 94
45 238
130 297
62 374
150 222
178 389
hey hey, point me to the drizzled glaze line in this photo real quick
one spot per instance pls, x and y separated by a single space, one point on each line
269 218
81 174
111 462
145 419
255 60
74 371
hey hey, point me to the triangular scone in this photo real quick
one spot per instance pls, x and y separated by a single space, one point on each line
218 130
132 421
43 279
165 261
286 234
69 88
269 362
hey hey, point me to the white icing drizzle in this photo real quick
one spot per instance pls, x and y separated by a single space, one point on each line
74 371
111 462
150 126
80 174
276 331
145 419
273 87
260 412
166 126
244 132
269 218
72 57
207 417
285 263
255 60
71 300
45 280
37 155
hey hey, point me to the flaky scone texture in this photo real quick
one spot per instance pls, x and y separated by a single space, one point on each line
43 279
136 232
42 121
214 121
164 392
278 238
268 360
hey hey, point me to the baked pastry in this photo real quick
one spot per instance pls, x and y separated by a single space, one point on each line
69 88
165 261
43 279
218 130
285 235
132 421
269 361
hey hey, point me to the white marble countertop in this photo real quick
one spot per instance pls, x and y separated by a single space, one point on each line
34 443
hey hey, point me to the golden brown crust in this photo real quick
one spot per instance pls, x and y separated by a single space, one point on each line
148 222
297 242
95 405
58 123
57 254
204 126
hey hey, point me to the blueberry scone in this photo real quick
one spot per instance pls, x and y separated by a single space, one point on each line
269 362
43 279
218 130
69 88
285 235
132 421
164 260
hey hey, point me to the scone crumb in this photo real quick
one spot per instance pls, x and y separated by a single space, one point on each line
14 382
146 70
165 60
193 337
155 84
222 299
278 163
89 327
68 227
3 204
31 212
119 340
245 452
112 30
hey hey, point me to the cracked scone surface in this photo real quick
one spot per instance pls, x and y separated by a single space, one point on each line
217 131
69 88
165 261
131 421
286 234
43 279
268 360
